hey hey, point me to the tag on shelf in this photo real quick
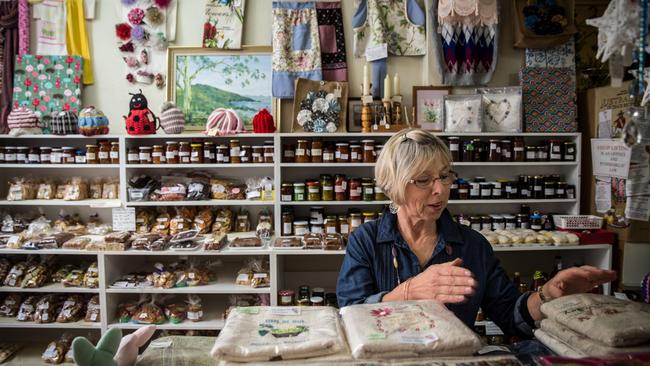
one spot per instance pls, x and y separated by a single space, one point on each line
124 219
492 329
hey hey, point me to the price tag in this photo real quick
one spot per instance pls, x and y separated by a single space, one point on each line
124 219
366 99
377 52
492 329
247 310
285 310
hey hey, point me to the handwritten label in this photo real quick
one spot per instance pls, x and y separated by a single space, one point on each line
377 52
124 219
285 311
610 158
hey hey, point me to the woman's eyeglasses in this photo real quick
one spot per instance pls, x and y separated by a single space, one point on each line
427 181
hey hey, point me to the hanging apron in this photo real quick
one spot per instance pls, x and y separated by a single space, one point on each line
296 46
396 24
332 40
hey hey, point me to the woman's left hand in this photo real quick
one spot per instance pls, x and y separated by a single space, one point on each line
576 280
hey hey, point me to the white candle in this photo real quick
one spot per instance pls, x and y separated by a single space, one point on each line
366 79
387 93
396 84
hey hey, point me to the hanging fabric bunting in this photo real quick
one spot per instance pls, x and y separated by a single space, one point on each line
465 39
332 40
296 46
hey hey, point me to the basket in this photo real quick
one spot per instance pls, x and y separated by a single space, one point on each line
578 222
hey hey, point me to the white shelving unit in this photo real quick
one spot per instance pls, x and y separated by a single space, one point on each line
288 268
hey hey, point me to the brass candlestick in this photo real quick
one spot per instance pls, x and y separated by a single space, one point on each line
366 113
397 109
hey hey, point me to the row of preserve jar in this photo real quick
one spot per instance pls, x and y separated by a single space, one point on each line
185 152
103 153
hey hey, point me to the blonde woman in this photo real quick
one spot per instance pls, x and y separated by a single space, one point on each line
416 251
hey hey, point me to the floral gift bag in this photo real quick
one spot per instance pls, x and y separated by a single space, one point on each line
406 329
264 333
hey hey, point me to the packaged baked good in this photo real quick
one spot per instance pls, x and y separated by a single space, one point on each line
249 242
78 243
223 222
72 309
180 222
215 241
333 241
76 189
253 188
176 313
194 308
187 245
180 275
26 309
125 312
47 308
21 189
144 241
10 305
35 276
261 279
173 188
219 189
184 236
53 241
62 272
244 277
5 267
197 276
93 310
118 237
46 191
236 191
162 224
198 190
60 191
56 351
243 223
312 241
287 242
111 189
139 194
91 277
7 351
15 276
204 220
158 245
264 229
73 279
149 313
95 189
162 277
144 221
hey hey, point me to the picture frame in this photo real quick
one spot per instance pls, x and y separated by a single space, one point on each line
237 79
354 113
429 107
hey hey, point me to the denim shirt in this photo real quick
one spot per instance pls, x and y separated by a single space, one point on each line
367 272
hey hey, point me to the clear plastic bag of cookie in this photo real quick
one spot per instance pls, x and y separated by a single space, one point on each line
161 226
163 276
27 309
215 241
56 350
111 189
198 190
62 272
173 188
261 274
264 229
93 314
243 223
224 221
176 313
91 277
95 189
8 350
21 188
144 221
236 191
144 241
5 267
203 220
16 274
71 310
118 237
74 278
76 189
47 308
35 276
194 308
219 189
197 275
150 313
46 190
254 189
10 305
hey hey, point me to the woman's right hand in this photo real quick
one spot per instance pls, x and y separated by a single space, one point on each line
447 283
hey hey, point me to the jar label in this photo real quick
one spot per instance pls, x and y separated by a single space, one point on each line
354 155
316 229
556 149
497 226
206 154
556 156
56 158
300 152
104 155
286 197
314 190
496 192
536 227
354 193
235 151
537 188
257 155
114 155
339 189
287 228
368 191
493 146
328 156
485 192
91 156
355 223
289 154
286 300
474 192
368 148
519 149
80 159
328 188
345 228
525 225
219 158
331 230
344 156
268 155
337 154
183 153
453 147
195 154
530 155
525 192
463 191
34 157
510 226
379 190
299 196
507 154
45 157
10 157
560 191
569 157
316 152
157 154
476 227
21 157
549 192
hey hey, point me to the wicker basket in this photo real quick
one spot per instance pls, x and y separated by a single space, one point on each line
578 222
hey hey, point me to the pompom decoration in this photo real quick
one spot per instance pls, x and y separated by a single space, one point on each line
172 119
135 16
128 2
645 288
224 122
127 47
123 31
154 16
130 78
138 33
319 112
162 3
263 122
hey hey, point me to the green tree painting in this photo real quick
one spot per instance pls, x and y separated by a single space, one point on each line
207 82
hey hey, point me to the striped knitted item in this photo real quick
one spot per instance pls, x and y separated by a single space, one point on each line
172 119
64 123
92 122
22 117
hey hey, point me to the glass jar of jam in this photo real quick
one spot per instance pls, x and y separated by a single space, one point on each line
158 155
10 154
480 150
303 296
235 152
327 185
246 154
453 190
299 191
184 152
474 190
258 154
302 147
286 192
569 151
475 223
524 186
22 152
316 226
355 189
536 222
571 191
555 150
518 150
463 189
497 189
379 193
498 222
222 155
300 227
523 221
506 150
468 151
104 153
269 152
145 154
46 155
67 155
331 224
344 225
287 222
549 190
511 222
313 191
34 156
486 222
531 153
171 152
317 151
209 156
342 154
368 151
114 154
369 216
543 152
511 191
56 157
288 153
286 297
494 152
80 156
538 187
560 190
354 221
2 154
356 154
91 154
340 187
368 189
486 191
454 147
328 153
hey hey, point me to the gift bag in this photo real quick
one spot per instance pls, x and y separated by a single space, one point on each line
319 106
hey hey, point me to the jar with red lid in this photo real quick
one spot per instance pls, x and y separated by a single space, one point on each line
286 297
355 189
340 187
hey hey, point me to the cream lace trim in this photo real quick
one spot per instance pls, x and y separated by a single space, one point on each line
468 12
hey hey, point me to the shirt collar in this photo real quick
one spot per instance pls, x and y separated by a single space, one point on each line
388 232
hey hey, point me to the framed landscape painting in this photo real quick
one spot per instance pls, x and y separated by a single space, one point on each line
203 79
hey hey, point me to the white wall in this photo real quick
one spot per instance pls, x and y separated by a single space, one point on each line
110 91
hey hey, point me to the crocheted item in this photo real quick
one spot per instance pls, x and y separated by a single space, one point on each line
222 122
319 112
22 117
92 122
468 12
549 96
172 119
263 122
141 120
64 123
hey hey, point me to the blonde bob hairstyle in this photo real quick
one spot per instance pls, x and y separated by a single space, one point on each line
406 155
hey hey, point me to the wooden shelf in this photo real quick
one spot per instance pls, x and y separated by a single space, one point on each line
201 203
81 203
13 323
59 166
54 287
222 287
198 166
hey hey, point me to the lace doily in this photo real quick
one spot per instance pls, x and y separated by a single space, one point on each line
468 12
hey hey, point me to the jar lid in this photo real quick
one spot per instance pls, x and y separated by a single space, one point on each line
452 138
171 142
184 142
355 214
316 299
53 149
286 293
89 146
234 140
313 183
145 147
535 217
10 147
486 217
258 147
342 144
369 214
368 184
367 141
157 146
506 140
485 184
496 217
197 145
354 146
246 146
25 147
503 181
317 208
287 184
222 147
331 217
301 223
299 184
115 143
45 147
509 217
475 217
208 143
268 142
